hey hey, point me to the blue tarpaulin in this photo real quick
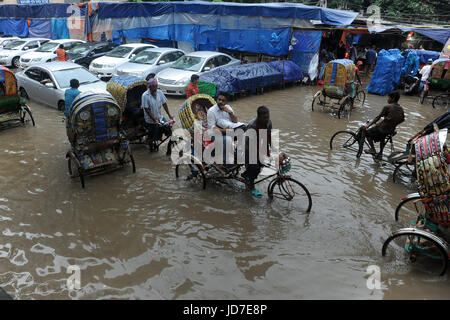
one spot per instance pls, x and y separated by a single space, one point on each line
400 61
60 30
386 73
40 28
305 45
440 34
54 10
14 27
412 64
290 70
246 77
424 55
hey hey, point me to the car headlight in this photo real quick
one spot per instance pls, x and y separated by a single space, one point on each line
182 81
109 66
36 59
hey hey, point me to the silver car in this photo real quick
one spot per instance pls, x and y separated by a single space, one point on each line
174 80
150 61
46 83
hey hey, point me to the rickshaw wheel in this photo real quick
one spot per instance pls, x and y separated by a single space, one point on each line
416 250
184 170
346 107
360 98
23 93
291 193
442 100
133 163
404 173
316 101
407 207
343 139
422 97
23 114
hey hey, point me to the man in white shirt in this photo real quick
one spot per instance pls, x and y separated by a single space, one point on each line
222 111
151 102
426 70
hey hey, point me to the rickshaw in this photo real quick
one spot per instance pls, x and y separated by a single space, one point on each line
13 109
93 128
193 116
340 91
425 242
437 85
128 90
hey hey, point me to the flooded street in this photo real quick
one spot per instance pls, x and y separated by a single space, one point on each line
150 236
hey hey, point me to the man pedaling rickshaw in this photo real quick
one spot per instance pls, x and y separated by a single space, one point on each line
393 115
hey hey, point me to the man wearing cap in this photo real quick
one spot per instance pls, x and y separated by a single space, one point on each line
152 101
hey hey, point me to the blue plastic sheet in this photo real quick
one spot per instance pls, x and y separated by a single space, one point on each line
386 74
54 10
290 70
395 53
412 63
243 77
305 45
424 55
40 28
14 27
60 29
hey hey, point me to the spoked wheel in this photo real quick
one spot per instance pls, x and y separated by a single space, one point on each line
23 93
75 171
441 101
405 173
191 173
415 251
407 207
360 98
344 140
130 159
317 101
290 195
23 114
423 95
345 109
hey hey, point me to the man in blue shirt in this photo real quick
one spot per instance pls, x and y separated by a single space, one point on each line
152 101
371 55
70 94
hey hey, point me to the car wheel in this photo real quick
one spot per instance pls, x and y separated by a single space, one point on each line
15 62
23 93
61 105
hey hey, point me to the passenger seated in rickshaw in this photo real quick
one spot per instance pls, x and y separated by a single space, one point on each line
393 115
152 101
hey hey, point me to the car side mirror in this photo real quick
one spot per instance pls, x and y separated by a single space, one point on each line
162 61
25 48
49 85
206 68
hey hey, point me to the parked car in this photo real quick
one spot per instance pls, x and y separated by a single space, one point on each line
47 52
105 66
11 53
175 79
150 61
5 40
47 82
83 54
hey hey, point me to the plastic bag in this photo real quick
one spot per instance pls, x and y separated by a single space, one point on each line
312 71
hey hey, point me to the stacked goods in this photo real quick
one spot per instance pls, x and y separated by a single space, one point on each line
432 171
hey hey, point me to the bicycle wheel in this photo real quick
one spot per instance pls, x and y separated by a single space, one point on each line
441 101
405 173
317 102
290 195
23 113
415 251
360 98
191 173
344 140
407 207
423 95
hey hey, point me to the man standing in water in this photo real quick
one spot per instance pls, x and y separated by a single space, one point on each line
393 115
152 101
262 126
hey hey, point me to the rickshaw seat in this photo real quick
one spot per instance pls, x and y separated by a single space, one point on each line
99 146
9 103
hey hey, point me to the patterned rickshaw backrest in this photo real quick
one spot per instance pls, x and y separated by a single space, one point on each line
439 66
337 74
8 80
119 86
93 118
195 108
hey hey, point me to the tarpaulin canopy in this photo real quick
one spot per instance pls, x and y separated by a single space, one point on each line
424 55
290 70
36 11
440 34
305 44
14 27
40 28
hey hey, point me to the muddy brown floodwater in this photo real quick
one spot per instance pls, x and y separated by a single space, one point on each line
149 236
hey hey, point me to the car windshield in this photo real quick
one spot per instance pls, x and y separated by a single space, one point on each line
189 63
80 49
82 75
146 57
119 52
48 47
14 45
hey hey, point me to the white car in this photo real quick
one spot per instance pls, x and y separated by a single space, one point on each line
4 41
105 66
175 79
47 52
149 61
46 83
11 53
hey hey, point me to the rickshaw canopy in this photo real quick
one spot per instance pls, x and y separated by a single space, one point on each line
126 88
9 81
439 66
194 110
